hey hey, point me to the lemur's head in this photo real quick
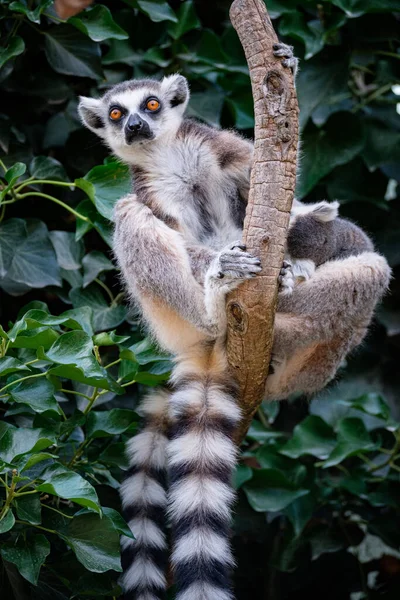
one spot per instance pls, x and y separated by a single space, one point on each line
313 233
133 113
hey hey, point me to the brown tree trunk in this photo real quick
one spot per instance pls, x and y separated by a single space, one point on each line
251 308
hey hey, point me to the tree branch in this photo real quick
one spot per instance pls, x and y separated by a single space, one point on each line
251 308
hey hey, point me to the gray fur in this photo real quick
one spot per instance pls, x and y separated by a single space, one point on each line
312 239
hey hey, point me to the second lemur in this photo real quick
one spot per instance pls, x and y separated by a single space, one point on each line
177 242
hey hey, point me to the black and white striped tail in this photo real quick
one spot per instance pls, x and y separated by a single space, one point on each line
144 501
201 457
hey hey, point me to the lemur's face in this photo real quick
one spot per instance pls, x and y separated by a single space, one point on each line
134 113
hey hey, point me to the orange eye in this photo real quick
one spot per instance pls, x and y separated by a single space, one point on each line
152 104
115 114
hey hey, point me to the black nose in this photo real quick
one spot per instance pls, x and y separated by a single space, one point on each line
134 124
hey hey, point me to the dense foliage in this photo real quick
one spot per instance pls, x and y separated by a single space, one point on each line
318 509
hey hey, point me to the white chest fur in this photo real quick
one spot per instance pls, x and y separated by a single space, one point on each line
187 184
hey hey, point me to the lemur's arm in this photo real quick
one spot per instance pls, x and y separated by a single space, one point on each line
158 271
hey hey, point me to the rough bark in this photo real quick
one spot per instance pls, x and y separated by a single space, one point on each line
251 308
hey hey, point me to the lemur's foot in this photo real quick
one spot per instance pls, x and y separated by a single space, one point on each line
286 52
286 279
233 265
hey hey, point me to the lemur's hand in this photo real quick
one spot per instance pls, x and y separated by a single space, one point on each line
286 279
232 266
286 52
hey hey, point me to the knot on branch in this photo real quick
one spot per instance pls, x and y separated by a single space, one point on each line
276 93
238 318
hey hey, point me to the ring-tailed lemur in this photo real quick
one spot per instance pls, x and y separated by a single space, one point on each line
176 245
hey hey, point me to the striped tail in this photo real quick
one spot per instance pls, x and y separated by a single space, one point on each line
144 501
201 457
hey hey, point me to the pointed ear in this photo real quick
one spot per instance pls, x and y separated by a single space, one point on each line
89 110
176 89
325 211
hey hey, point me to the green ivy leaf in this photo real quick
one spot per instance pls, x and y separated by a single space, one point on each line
14 173
300 512
12 232
114 455
94 263
109 183
157 10
242 474
29 508
95 542
118 522
311 436
38 394
46 167
110 422
356 8
308 32
9 364
70 52
207 106
98 24
33 15
69 252
33 262
73 351
17 442
7 522
269 458
71 486
372 404
352 438
382 145
339 142
324 540
317 85
109 338
104 316
38 337
33 459
270 490
187 20
259 433
14 48
27 555
34 318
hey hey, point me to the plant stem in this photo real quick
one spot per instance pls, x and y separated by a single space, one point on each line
106 288
117 298
78 452
111 364
41 195
58 511
31 362
9 499
92 400
37 526
22 379
74 392
45 14
43 181
379 92
17 494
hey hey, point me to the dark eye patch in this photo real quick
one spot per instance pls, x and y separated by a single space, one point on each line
144 103
121 109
